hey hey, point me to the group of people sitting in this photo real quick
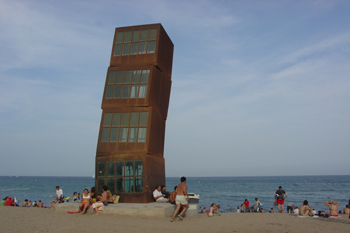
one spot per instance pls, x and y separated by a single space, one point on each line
90 199
11 201
214 210
160 194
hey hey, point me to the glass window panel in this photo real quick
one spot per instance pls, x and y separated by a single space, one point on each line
101 169
136 36
117 92
143 118
144 77
127 37
123 135
118 49
151 47
100 184
119 185
142 49
144 35
126 49
129 168
128 77
105 135
134 48
125 119
129 184
138 185
120 168
132 135
111 184
142 135
116 119
114 135
120 36
107 119
111 77
153 34
134 119
138 168
126 90
143 91
134 90
110 169
120 77
136 77
109 92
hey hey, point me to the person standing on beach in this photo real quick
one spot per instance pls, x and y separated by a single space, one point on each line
181 199
246 205
280 196
59 194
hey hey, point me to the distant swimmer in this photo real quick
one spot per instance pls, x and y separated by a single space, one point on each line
280 196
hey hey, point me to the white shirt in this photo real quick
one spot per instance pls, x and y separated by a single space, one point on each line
238 211
59 193
157 193
296 211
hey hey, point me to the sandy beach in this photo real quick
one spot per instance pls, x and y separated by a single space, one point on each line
19 219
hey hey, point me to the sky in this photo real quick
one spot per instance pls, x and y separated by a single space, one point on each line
260 88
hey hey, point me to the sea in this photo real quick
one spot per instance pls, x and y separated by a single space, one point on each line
228 192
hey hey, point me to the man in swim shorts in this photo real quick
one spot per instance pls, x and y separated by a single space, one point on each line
280 196
181 199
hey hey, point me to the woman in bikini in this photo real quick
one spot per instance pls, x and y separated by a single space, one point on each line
74 197
86 199
333 208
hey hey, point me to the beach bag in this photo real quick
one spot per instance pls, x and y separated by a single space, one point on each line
115 199
275 203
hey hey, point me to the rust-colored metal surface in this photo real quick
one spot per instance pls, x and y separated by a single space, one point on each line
135 101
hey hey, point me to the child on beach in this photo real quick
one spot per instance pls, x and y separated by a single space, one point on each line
217 211
211 210
75 197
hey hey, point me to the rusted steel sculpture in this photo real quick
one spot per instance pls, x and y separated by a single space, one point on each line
129 156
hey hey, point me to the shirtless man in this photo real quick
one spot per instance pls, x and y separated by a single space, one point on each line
305 209
24 204
346 210
40 204
333 208
181 199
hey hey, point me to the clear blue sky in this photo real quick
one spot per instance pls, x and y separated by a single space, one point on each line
259 87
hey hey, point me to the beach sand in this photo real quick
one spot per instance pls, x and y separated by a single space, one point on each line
31 219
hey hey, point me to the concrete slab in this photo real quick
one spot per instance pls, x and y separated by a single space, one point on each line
153 209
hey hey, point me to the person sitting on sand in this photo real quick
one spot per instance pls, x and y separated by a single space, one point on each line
3 202
238 210
158 196
93 195
35 204
333 208
211 210
40 204
104 196
86 199
204 210
271 211
346 210
10 202
252 210
29 204
74 197
25 203
305 209
217 211
172 196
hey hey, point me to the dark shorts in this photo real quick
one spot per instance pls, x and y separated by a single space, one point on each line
280 202
289 208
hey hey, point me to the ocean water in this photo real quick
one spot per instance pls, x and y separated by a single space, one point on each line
228 192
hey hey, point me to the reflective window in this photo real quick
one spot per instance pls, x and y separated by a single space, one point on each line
134 48
144 77
126 48
120 36
142 135
118 50
114 134
136 77
120 185
111 77
120 168
128 77
153 34
132 134
127 37
107 119
129 184
101 169
134 91
100 184
110 169
151 47
120 77
143 90
143 118
125 119
126 90
129 168
123 134
142 49
136 36
109 92
144 35
138 185
105 135
116 119
138 168
117 92
111 184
